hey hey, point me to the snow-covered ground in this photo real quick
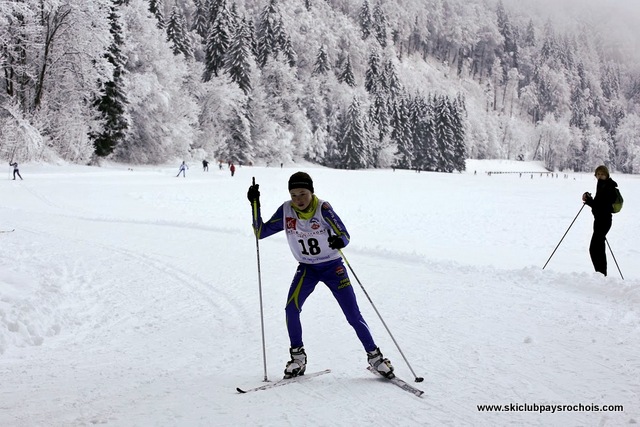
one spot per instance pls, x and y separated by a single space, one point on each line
131 298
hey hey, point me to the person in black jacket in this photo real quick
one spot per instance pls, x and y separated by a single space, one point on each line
602 209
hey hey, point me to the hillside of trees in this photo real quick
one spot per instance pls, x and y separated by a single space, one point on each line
347 84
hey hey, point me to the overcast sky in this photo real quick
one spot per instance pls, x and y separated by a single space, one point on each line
618 21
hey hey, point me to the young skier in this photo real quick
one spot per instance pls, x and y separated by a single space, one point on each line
602 209
315 233
182 170
16 171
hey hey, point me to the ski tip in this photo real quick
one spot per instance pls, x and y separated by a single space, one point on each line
239 390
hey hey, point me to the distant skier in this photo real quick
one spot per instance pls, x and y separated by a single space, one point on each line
308 222
232 168
183 168
205 166
602 209
16 171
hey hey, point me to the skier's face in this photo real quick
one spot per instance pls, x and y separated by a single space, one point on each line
301 198
601 175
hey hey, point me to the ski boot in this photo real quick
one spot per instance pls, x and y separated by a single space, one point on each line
298 363
380 364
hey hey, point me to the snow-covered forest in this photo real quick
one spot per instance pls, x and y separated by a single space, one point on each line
347 84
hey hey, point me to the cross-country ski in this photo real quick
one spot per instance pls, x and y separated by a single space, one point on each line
398 382
284 381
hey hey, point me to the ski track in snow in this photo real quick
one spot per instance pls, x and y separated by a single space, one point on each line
137 304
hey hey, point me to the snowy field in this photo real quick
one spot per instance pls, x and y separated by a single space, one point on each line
130 298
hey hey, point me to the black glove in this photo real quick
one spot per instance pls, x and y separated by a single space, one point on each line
586 197
254 193
335 242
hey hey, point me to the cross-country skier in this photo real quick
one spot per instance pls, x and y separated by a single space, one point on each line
182 170
315 234
602 208
16 171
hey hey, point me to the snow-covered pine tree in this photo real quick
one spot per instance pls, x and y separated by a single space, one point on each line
268 35
200 15
238 58
155 7
321 65
373 74
458 144
366 23
178 35
238 147
421 133
346 75
353 140
286 47
401 133
217 44
379 115
392 83
444 134
113 103
380 24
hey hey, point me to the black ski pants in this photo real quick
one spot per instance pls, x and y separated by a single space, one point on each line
597 249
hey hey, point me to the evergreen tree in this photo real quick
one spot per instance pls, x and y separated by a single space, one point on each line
200 18
218 41
346 76
425 148
284 43
353 139
529 39
509 54
321 66
380 24
269 33
390 80
253 43
444 134
238 147
113 103
458 144
177 34
379 116
212 7
580 101
366 23
155 7
372 77
237 61
401 134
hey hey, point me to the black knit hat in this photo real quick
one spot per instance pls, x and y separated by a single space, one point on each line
301 180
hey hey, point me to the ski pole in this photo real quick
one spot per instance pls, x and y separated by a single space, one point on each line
417 379
254 205
565 233
614 258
